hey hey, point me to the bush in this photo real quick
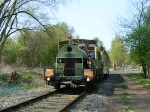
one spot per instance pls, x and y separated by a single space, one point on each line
4 78
22 79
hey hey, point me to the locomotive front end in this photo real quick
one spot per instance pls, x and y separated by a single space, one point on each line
70 67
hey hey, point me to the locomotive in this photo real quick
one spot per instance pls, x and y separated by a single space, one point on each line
79 62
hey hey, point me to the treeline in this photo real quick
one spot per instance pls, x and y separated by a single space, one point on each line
139 37
27 35
118 53
35 48
136 34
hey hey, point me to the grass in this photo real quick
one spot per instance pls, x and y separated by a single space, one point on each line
139 78
125 99
128 105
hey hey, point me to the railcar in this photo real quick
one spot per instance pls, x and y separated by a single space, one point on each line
79 62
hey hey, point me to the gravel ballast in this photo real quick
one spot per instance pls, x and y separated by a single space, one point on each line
21 96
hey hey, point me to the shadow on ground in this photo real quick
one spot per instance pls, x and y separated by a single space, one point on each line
112 83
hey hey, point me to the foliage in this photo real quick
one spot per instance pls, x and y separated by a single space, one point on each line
10 51
26 80
138 35
36 48
128 59
3 79
139 41
34 38
118 52
23 79
50 54
17 15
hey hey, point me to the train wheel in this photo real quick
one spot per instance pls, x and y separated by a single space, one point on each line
57 86
86 86
106 75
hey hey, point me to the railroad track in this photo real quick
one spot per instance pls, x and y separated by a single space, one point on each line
56 101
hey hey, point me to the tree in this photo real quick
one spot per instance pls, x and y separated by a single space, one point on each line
17 15
137 33
46 54
37 48
10 52
117 52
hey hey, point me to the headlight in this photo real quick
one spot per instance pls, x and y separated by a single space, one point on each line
48 78
88 79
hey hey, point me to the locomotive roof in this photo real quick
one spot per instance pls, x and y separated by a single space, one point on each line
75 53
87 45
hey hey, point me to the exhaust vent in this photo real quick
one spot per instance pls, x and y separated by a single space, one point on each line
69 49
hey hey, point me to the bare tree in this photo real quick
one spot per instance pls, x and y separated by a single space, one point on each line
137 32
16 15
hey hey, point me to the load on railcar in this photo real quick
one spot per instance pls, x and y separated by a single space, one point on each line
79 62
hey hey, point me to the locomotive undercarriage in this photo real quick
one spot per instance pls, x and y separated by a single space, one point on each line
72 82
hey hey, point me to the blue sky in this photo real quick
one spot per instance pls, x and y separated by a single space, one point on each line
93 18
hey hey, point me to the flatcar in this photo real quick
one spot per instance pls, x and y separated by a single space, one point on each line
79 62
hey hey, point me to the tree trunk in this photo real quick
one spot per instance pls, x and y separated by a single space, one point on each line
144 70
2 44
114 66
148 70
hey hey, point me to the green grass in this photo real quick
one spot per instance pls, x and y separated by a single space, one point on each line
127 104
139 78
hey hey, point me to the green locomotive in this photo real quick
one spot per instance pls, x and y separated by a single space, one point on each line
79 62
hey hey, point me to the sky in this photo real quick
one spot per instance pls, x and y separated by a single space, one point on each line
94 18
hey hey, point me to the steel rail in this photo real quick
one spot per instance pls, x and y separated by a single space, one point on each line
16 106
65 109
33 100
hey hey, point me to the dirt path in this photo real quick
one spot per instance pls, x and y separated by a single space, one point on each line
139 94
130 96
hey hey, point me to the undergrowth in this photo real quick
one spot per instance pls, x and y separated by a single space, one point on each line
21 81
139 78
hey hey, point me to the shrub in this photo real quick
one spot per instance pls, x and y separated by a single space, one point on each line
3 79
139 78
